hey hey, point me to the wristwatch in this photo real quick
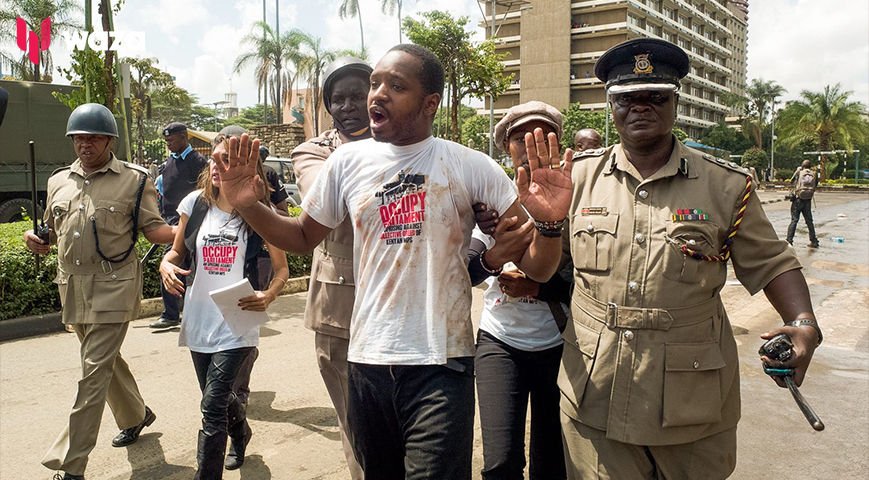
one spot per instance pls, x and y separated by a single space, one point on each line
807 321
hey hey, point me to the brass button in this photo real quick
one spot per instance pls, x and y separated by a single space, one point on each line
78 262
76 235
643 194
81 207
640 238
590 227
696 364
633 286
87 182
629 335
692 242
341 280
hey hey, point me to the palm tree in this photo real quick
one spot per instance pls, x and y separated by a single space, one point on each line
147 77
390 7
350 8
270 53
34 12
759 98
311 62
827 118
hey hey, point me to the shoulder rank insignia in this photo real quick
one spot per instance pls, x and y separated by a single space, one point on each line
732 166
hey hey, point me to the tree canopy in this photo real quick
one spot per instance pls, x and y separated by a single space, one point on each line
471 70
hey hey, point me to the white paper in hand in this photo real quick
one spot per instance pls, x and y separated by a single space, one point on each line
239 321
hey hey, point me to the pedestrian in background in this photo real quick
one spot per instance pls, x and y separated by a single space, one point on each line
805 181
96 208
587 139
180 173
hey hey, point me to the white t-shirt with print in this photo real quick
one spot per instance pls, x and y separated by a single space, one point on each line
220 248
524 323
412 215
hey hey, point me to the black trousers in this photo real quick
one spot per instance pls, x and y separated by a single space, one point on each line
216 373
412 421
804 208
506 378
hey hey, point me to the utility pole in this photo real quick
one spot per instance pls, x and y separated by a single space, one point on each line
772 145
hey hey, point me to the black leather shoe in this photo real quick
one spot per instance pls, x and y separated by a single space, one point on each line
164 323
814 245
68 476
130 435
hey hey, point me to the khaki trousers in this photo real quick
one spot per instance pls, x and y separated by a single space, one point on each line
105 378
332 359
590 455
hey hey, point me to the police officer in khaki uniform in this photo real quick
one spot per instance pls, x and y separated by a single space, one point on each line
96 207
332 292
649 377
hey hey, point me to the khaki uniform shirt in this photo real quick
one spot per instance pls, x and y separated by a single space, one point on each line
93 290
332 291
650 356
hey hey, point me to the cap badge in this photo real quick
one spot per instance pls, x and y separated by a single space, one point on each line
642 63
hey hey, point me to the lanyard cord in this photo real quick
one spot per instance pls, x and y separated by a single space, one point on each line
724 253
134 233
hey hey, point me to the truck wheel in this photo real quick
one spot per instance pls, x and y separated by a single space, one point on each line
10 211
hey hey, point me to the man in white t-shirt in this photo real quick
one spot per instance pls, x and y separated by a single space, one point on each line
410 197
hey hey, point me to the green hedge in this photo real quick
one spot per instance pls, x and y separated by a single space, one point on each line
24 291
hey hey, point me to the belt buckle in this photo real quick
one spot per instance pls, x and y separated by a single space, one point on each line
612 314
107 267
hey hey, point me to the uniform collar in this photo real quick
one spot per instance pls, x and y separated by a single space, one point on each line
113 164
183 154
680 161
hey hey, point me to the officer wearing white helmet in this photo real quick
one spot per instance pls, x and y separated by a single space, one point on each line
96 208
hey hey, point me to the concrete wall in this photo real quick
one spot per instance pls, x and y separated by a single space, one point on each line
545 53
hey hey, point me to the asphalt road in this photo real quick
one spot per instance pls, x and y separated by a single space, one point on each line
294 425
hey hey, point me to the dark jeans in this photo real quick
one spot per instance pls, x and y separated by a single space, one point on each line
172 303
413 421
223 415
804 207
506 378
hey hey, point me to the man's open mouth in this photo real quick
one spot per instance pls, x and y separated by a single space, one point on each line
378 116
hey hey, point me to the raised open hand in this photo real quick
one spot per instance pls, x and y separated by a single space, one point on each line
546 194
239 182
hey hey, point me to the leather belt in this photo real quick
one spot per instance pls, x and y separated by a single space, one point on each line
335 249
102 267
616 316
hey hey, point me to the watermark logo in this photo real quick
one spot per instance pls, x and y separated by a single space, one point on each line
126 41
28 41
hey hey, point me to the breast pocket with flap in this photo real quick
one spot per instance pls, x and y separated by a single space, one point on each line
592 241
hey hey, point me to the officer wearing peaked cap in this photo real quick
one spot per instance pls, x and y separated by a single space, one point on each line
96 208
649 375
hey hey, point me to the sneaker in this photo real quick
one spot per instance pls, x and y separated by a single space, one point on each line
164 323
814 245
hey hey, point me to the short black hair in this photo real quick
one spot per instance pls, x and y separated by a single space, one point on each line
432 74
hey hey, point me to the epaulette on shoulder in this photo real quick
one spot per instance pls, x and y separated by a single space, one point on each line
138 168
588 153
729 165
60 170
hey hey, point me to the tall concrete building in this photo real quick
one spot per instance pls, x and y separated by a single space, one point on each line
554 44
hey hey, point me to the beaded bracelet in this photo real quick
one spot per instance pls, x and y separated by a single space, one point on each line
549 229
486 267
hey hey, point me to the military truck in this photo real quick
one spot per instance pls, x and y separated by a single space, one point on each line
34 114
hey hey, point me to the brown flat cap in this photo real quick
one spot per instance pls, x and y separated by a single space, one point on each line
524 113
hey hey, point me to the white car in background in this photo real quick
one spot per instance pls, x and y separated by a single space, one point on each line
284 167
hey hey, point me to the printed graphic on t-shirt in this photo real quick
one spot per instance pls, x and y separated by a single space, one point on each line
218 252
402 208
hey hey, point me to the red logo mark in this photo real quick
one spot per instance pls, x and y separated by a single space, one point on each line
29 42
